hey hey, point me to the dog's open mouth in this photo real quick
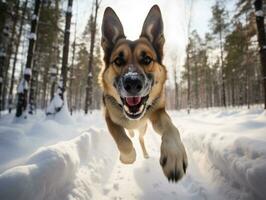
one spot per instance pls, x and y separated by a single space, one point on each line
134 107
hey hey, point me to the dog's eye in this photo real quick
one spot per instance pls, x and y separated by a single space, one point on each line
146 60
119 61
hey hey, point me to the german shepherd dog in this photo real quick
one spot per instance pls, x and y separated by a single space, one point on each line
133 91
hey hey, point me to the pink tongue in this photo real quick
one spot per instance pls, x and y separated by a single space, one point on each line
132 101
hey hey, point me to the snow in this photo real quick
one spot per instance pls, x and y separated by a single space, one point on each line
259 13
53 71
32 36
34 17
56 104
2 54
69 9
23 85
46 171
27 71
75 157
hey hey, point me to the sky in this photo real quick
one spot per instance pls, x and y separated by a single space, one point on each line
175 13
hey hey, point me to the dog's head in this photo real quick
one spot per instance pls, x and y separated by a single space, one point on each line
133 75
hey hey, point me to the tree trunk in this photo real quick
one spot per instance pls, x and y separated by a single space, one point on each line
64 68
262 41
23 86
33 84
72 72
222 71
52 108
206 87
188 84
10 96
233 89
196 85
88 98
3 44
10 52
176 90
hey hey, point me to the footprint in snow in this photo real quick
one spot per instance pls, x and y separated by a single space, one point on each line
106 191
116 186
117 198
173 193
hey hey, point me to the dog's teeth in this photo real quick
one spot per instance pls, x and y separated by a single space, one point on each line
141 108
126 108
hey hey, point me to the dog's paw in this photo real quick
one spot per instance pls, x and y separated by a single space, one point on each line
173 158
128 158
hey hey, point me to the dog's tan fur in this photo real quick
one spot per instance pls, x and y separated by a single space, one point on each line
173 155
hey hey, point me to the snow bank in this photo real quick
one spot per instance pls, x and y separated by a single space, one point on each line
47 173
226 150
91 177
13 141
61 116
238 157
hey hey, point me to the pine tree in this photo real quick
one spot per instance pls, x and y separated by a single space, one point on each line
235 66
80 77
24 84
262 41
89 88
47 54
9 51
219 26
3 44
8 18
17 44
59 100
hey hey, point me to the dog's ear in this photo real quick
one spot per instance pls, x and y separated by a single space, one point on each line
153 30
112 29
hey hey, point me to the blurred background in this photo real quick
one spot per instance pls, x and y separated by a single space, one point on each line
51 48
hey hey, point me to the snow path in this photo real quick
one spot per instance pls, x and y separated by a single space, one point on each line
226 151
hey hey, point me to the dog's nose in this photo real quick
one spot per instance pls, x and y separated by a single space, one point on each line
133 84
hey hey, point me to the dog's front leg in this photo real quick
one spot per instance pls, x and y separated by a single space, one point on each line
173 155
124 144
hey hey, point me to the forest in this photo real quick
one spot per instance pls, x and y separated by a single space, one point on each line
40 68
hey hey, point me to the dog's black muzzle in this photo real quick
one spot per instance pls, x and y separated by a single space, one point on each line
134 89
133 83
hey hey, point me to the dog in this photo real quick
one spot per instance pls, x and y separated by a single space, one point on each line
133 81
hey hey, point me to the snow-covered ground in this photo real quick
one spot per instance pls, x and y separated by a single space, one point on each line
75 158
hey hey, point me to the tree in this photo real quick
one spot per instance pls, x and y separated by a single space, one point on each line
189 19
8 19
46 58
79 81
17 44
174 61
3 44
262 41
14 16
24 84
219 25
235 61
59 100
93 22
72 70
